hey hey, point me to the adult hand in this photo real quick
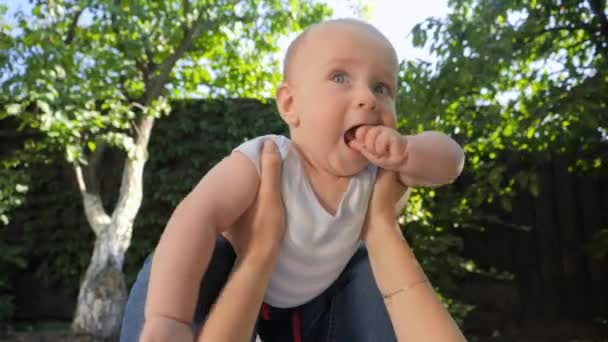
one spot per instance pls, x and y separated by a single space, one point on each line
387 201
415 311
259 231
256 238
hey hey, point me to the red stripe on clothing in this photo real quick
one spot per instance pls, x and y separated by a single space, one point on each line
295 324
265 312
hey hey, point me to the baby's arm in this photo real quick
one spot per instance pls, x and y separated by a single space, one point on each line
433 158
187 243
425 159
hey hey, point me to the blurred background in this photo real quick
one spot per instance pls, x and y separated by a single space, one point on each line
91 91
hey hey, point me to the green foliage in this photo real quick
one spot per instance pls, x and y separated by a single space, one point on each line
524 76
49 226
428 225
12 259
92 76
188 143
13 186
598 246
517 83
84 73
5 39
13 190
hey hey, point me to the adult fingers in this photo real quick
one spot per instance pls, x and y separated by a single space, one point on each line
388 187
270 171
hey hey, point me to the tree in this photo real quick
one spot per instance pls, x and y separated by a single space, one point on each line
93 75
512 76
517 82
527 62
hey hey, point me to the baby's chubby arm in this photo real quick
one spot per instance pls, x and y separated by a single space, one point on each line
187 243
433 158
425 159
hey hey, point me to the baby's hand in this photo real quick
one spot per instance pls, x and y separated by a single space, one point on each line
382 146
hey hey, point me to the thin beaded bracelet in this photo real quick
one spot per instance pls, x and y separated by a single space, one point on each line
387 297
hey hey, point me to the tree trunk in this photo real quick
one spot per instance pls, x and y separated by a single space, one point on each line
103 292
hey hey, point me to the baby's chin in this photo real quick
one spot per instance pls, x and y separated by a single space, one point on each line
349 168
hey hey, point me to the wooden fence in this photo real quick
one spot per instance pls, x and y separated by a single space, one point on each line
555 276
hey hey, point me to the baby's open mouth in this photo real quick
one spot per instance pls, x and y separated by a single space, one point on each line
349 135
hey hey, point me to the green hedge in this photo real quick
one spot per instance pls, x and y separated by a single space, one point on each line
50 232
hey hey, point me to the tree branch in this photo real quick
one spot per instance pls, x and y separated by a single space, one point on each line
121 85
563 28
186 5
598 7
600 38
146 69
131 187
87 179
72 29
91 198
151 65
143 129
130 195
155 86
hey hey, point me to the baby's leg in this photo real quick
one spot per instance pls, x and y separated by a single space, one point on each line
213 281
357 311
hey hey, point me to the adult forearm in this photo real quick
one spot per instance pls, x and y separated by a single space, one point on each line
236 310
414 308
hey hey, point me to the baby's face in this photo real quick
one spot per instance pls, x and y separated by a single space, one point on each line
343 76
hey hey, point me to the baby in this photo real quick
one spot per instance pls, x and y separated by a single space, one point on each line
338 99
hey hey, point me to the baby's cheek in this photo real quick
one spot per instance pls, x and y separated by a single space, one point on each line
389 119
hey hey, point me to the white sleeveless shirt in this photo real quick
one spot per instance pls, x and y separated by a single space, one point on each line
317 245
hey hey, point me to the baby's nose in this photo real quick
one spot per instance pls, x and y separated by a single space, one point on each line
366 100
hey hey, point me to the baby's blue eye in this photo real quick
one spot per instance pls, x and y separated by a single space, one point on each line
339 78
382 89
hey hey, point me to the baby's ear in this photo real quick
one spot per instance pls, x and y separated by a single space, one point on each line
285 105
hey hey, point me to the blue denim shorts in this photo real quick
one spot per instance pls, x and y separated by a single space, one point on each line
350 310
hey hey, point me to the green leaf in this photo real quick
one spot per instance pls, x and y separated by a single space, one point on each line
21 188
530 133
43 106
13 109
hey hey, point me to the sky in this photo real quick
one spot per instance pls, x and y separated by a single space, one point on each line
394 18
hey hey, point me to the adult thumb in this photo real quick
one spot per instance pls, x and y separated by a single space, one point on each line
270 169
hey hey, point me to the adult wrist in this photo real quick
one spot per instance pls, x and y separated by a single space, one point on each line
389 235
161 316
383 221
261 258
